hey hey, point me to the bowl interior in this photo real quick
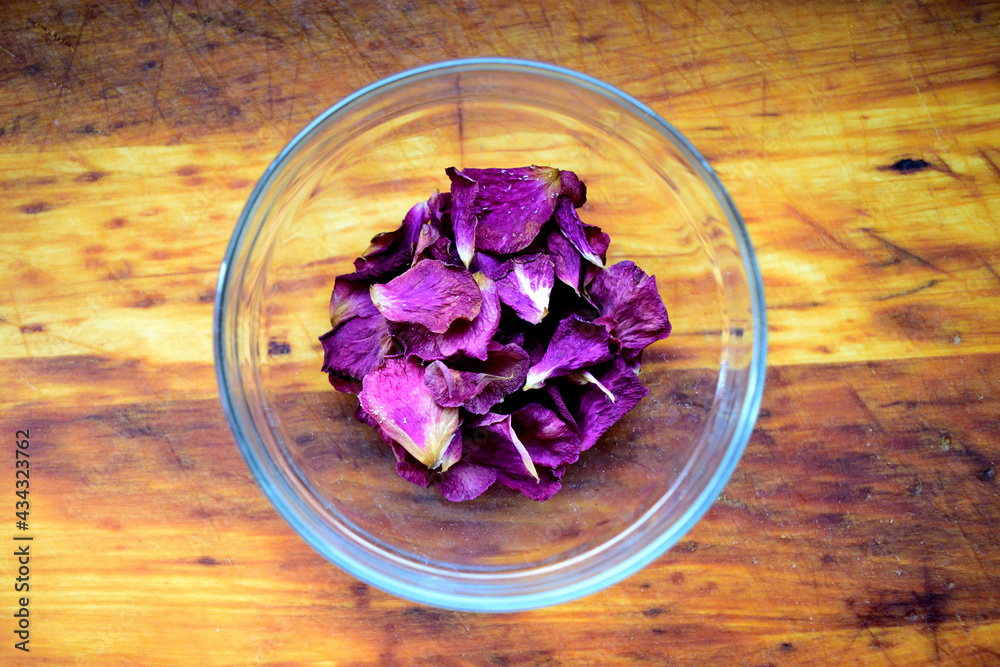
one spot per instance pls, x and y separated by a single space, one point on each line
354 174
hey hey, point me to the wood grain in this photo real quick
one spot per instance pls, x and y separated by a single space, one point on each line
861 143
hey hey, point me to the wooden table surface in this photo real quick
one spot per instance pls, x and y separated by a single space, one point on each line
861 142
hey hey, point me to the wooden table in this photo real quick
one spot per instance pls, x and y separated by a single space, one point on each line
860 142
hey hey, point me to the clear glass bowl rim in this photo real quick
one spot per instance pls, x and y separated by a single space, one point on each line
502 603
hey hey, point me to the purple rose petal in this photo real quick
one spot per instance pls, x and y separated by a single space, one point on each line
634 361
550 441
414 472
350 299
599 241
465 481
575 344
429 235
541 489
501 373
508 368
487 263
630 306
572 187
430 293
362 416
525 284
463 337
597 413
464 217
452 388
512 205
504 450
565 258
584 378
394 394
391 253
356 346
572 228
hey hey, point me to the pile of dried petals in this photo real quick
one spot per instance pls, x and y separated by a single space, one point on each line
485 338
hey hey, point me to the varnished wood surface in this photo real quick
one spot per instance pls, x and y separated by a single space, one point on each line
861 142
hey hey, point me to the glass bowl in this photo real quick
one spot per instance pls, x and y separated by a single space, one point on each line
354 172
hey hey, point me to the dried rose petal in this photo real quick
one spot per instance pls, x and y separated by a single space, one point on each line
572 228
350 299
597 413
392 252
487 263
354 347
584 378
512 205
630 306
430 293
573 188
465 481
541 489
452 388
464 218
575 344
550 441
525 283
503 449
394 394
463 337
501 373
508 365
565 258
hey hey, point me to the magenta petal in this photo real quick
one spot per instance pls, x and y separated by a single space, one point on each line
543 488
429 235
362 416
465 481
477 391
575 344
597 413
464 220
430 293
565 258
572 228
394 394
598 241
350 299
525 284
487 263
631 307
392 252
353 348
504 449
507 366
469 338
414 472
512 205
453 452
452 388
548 438
572 187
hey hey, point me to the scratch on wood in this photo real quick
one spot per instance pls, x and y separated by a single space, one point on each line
232 25
899 249
896 295
802 217
5 50
989 161
52 34
989 267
